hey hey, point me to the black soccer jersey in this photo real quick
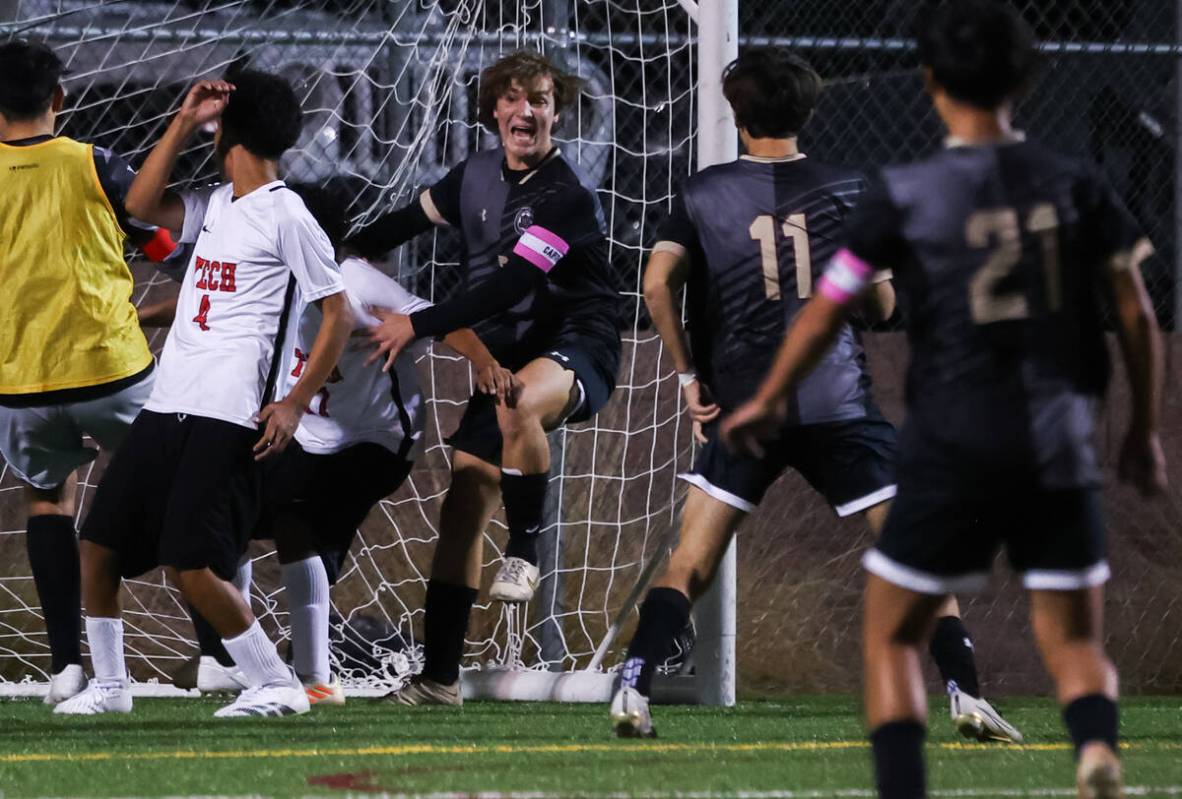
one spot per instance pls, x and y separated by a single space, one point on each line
759 232
552 216
1001 252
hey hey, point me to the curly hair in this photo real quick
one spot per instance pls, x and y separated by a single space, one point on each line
263 115
524 67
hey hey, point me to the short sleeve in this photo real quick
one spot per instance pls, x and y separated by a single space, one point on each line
306 250
563 220
442 201
372 288
115 176
1113 234
196 202
677 233
874 230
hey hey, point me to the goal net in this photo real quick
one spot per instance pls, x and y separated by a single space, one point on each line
389 91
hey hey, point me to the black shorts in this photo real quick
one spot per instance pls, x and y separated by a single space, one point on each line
850 463
330 495
181 491
942 541
478 432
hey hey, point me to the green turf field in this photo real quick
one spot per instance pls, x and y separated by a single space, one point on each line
799 747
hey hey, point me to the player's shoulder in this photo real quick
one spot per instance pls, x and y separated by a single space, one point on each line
360 276
801 172
569 176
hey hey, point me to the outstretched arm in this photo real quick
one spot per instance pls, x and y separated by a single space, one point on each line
391 229
148 198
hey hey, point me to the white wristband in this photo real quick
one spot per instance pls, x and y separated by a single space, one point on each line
685 378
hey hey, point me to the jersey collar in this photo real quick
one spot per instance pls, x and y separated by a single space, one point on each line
274 185
1013 137
44 137
529 173
783 159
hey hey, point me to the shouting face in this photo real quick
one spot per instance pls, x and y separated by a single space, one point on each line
525 117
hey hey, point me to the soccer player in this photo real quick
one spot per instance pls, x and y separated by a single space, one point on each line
182 489
747 240
73 361
355 446
545 301
1002 248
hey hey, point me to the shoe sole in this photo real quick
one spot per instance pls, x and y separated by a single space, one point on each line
627 725
1101 782
497 596
974 727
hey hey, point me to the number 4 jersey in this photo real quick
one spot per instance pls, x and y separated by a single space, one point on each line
1001 254
257 260
759 232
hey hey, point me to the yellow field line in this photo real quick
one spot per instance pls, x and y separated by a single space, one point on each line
475 749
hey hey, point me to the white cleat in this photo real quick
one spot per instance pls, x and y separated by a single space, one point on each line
516 581
325 693
97 698
68 682
276 699
975 718
214 678
1098 774
630 715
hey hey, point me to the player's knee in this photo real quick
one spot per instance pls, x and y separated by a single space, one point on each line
520 420
99 564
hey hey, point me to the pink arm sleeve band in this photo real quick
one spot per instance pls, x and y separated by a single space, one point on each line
541 248
846 277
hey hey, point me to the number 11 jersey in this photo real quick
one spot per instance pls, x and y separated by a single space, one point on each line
759 233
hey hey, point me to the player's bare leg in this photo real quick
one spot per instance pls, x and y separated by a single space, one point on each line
547 396
52 547
470 503
1068 626
108 692
274 689
951 648
896 623
706 529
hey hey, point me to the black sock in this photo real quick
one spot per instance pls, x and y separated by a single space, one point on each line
208 639
1092 718
952 650
524 496
447 610
664 614
53 555
898 760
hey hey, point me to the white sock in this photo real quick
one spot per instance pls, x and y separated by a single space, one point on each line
242 577
307 587
106 649
254 653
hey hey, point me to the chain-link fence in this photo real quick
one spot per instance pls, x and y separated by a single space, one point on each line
390 92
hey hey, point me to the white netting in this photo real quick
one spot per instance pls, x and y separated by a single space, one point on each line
389 89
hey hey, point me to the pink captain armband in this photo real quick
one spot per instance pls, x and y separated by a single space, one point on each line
845 278
541 248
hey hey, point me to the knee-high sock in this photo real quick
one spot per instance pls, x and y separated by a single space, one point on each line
53 555
105 637
447 610
306 583
255 654
524 496
664 614
898 760
952 649
1092 718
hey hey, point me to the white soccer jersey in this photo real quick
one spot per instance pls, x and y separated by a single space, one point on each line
362 403
256 261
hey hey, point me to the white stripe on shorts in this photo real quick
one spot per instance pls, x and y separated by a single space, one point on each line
919 581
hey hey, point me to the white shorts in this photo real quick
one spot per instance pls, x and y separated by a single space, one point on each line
43 444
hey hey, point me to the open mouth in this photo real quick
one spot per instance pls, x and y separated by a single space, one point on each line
523 133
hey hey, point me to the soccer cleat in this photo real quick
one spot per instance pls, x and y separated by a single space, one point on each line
630 715
516 581
214 678
325 693
68 682
97 698
1098 773
422 691
275 699
975 718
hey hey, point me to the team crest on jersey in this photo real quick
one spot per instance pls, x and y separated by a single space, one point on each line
523 220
